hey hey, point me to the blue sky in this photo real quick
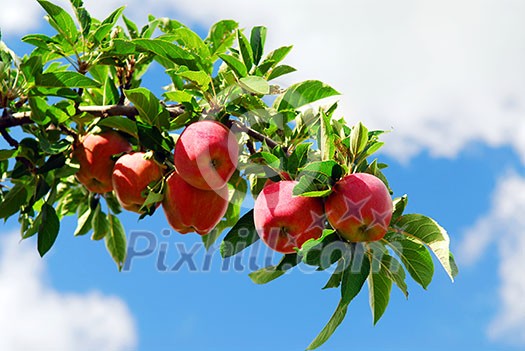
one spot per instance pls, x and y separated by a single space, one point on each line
447 78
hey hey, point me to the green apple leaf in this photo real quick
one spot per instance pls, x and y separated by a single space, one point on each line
384 263
201 78
255 85
280 71
120 123
326 137
99 223
379 286
428 232
116 241
85 221
337 318
266 275
235 64
7 154
414 255
399 204
60 20
358 139
355 273
66 79
246 50
304 93
150 109
274 58
221 36
242 235
13 201
48 229
335 278
82 15
257 41
170 52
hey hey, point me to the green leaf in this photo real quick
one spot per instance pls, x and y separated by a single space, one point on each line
267 159
304 93
355 274
113 17
326 138
120 123
221 36
7 154
149 107
257 41
85 222
246 50
48 229
399 204
242 235
255 85
201 78
65 79
298 158
266 275
430 233
209 239
280 71
60 20
323 171
358 138
13 201
337 318
39 109
171 52
274 58
82 15
132 27
321 252
99 223
235 64
335 278
116 241
379 286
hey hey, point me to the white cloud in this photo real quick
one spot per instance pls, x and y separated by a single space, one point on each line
502 229
442 73
37 317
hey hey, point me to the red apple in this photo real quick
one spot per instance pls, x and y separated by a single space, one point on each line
189 209
360 207
95 155
206 155
284 221
131 176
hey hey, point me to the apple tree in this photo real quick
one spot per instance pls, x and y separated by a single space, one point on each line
85 137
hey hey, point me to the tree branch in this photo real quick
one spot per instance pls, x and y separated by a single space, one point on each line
22 118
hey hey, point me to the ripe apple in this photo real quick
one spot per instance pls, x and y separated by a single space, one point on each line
95 156
360 207
284 221
189 209
131 176
206 155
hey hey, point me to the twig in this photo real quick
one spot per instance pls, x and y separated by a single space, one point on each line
22 118
12 142
255 134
